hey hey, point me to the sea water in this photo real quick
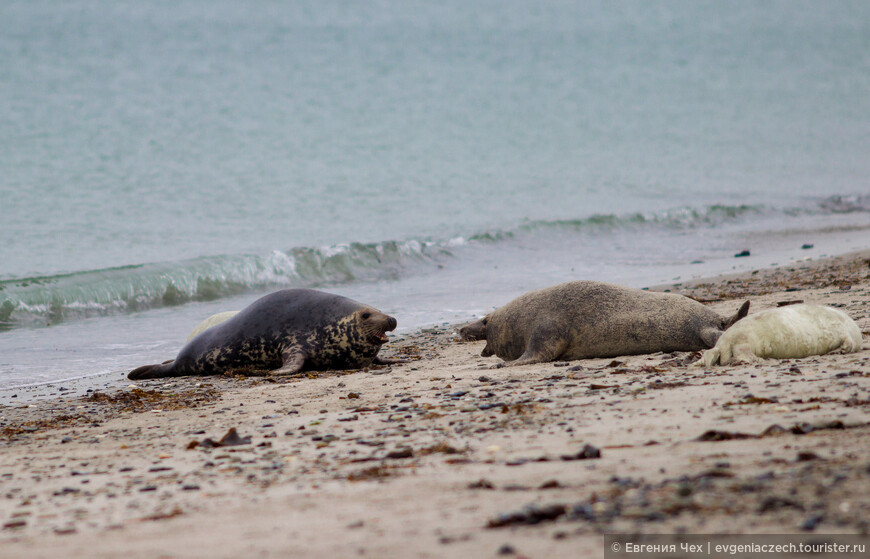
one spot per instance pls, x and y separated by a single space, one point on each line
163 161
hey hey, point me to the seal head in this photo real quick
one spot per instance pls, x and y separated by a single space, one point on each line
474 331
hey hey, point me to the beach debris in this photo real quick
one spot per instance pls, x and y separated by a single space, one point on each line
741 254
812 522
806 246
775 430
442 448
588 452
163 515
528 515
807 455
16 523
400 453
594 386
231 438
32 426
680 359
714 435
659 384
482 483
138 400
372 473
776 503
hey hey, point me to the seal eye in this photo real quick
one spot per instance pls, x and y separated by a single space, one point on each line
366 315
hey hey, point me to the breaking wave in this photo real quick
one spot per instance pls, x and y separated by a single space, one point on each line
42 301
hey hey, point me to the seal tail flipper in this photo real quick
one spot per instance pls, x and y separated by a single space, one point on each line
741 313
153 371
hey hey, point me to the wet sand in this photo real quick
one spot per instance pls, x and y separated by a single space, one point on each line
447 457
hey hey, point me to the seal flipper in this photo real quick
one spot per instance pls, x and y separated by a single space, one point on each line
388 361
545 344
741 313
294 360
165 369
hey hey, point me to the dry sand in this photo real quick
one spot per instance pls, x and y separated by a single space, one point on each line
446 457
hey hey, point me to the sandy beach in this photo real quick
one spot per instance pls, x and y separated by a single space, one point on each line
446 456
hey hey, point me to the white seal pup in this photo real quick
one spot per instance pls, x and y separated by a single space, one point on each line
786 333
213 320
589 319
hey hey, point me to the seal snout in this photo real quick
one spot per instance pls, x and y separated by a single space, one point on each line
377 324
388 327
474 331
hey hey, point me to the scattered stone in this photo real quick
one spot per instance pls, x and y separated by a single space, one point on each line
400 454
812 522
807 455
231 438
588 452
714 435
482 483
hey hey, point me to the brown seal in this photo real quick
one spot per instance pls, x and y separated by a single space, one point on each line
284 333
588 319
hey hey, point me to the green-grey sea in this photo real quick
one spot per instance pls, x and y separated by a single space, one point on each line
163 161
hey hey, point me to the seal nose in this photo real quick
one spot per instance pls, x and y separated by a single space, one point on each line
391 322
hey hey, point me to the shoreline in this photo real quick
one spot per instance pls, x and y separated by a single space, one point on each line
444 456
697 288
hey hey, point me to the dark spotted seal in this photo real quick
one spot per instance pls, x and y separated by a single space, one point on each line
284 333
587 319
